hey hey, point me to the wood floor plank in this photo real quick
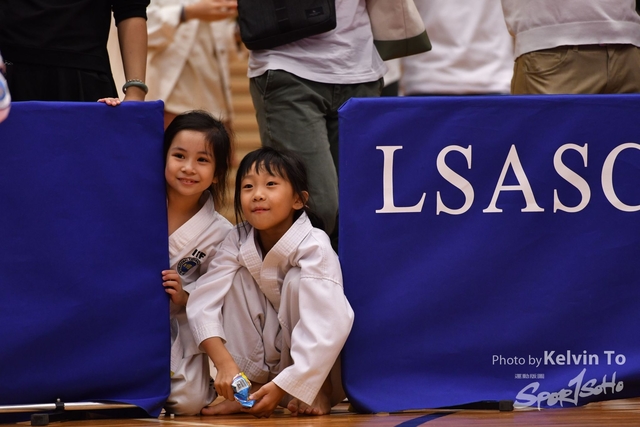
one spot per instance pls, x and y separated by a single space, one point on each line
611 413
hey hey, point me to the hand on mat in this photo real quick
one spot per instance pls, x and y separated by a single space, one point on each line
114 102
211 10
267 399
173 286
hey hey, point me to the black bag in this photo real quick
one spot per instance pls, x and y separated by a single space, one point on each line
265 24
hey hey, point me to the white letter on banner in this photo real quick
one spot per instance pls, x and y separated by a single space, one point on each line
607 178
572 178
455 179
514 161
387 183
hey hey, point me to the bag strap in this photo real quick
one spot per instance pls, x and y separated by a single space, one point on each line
282 15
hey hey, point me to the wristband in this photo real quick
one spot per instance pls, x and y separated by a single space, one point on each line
136 83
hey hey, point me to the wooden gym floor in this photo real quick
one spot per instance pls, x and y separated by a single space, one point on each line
610 413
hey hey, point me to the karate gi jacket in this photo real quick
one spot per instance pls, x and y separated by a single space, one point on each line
325 316
191 247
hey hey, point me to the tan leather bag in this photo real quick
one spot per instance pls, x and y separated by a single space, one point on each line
398 29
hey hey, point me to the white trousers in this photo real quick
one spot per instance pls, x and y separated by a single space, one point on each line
255 338
258 337
191 385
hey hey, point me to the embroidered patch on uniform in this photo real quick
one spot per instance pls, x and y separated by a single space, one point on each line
186 264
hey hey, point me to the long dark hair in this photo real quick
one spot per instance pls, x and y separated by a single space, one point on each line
219 144
283 163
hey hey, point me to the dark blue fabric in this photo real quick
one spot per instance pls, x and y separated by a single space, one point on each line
442 302
84 239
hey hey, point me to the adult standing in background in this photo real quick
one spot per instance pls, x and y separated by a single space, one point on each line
298 87
575 46
472 50
56 50
188 65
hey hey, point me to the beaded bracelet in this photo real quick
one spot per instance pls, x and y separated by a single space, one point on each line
137 83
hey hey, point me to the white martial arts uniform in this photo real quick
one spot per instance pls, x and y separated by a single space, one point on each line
286 317
191 247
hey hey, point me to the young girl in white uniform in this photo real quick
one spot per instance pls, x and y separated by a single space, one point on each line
285 317
198 152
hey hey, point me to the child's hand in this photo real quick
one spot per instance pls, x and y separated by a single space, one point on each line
114 102
223 380
173 286
267 399
225 365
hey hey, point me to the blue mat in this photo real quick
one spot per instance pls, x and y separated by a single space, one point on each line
84 239
490 249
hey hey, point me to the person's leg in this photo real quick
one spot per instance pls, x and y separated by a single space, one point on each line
335 377
250 326
291 114
341 94
392 89
624 69
44 83
289 316
94 85
561 70
191 386
331 393
252 332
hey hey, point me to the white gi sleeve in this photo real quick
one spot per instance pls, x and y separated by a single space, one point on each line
204 307
325 319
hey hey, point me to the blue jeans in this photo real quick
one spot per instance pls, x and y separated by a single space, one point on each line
302 116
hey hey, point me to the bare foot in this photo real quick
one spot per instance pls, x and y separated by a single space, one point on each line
226 407
320 406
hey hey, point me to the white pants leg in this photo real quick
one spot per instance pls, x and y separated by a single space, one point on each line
251 328
191 385
258 337
289 316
